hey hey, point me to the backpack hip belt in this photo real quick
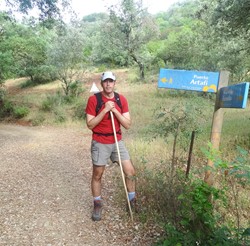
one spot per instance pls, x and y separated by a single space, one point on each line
107 134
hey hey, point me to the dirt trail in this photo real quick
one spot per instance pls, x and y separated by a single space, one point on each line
45 194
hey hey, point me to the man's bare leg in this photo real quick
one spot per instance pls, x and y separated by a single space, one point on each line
96 180
96 191
129 172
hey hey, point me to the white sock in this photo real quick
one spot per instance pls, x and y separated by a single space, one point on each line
131 195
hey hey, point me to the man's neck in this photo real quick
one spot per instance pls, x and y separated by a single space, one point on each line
108 95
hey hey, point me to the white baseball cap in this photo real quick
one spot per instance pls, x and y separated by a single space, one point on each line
107 75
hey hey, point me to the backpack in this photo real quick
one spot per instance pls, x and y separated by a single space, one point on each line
100 101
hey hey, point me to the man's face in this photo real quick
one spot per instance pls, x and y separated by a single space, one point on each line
108 85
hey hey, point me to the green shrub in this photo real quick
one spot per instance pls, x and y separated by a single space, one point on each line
199 222
41 75
193 212
2 93
27 83
200 219
20 112
196 210
180 120
79 110
38 120
75 89
59 115
47 105
44 74
7 109
52 101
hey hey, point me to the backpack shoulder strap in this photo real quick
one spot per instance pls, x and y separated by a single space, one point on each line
100 101
117 99
99 104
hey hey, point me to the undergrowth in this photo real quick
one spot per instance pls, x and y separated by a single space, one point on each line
189 211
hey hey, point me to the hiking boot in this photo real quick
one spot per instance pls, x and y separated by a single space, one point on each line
133 206
97 212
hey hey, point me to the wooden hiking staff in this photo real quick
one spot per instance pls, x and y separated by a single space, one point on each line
120 164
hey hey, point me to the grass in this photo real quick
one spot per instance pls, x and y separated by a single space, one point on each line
144 100
158 187
236 130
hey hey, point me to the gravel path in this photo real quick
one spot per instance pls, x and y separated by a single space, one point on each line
45 194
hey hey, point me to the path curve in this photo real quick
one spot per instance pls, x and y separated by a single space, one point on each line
45 194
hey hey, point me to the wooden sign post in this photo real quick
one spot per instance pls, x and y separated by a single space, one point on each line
234 96
216 124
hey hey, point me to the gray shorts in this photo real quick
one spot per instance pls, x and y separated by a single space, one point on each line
102 153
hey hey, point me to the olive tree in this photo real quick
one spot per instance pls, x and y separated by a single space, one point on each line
48 9
66 55
6 54
230 22
129 29
233 15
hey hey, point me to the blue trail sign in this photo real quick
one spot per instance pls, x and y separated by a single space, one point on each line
234 96
188 80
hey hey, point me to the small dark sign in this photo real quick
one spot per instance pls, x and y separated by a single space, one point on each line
234 96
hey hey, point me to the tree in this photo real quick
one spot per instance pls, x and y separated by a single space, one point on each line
48 9
23 51
30 56
184 44
230 23
233 14
6 57
190 40
129 29
97 50
66 55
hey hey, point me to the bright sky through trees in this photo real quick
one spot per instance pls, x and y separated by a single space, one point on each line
83 8
95 6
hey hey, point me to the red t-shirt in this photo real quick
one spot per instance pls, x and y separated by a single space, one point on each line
105 126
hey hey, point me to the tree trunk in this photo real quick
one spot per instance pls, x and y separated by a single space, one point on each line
141 66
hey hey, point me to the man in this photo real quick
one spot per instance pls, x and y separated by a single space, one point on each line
103 146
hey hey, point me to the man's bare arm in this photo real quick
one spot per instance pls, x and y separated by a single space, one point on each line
124 118
92 121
